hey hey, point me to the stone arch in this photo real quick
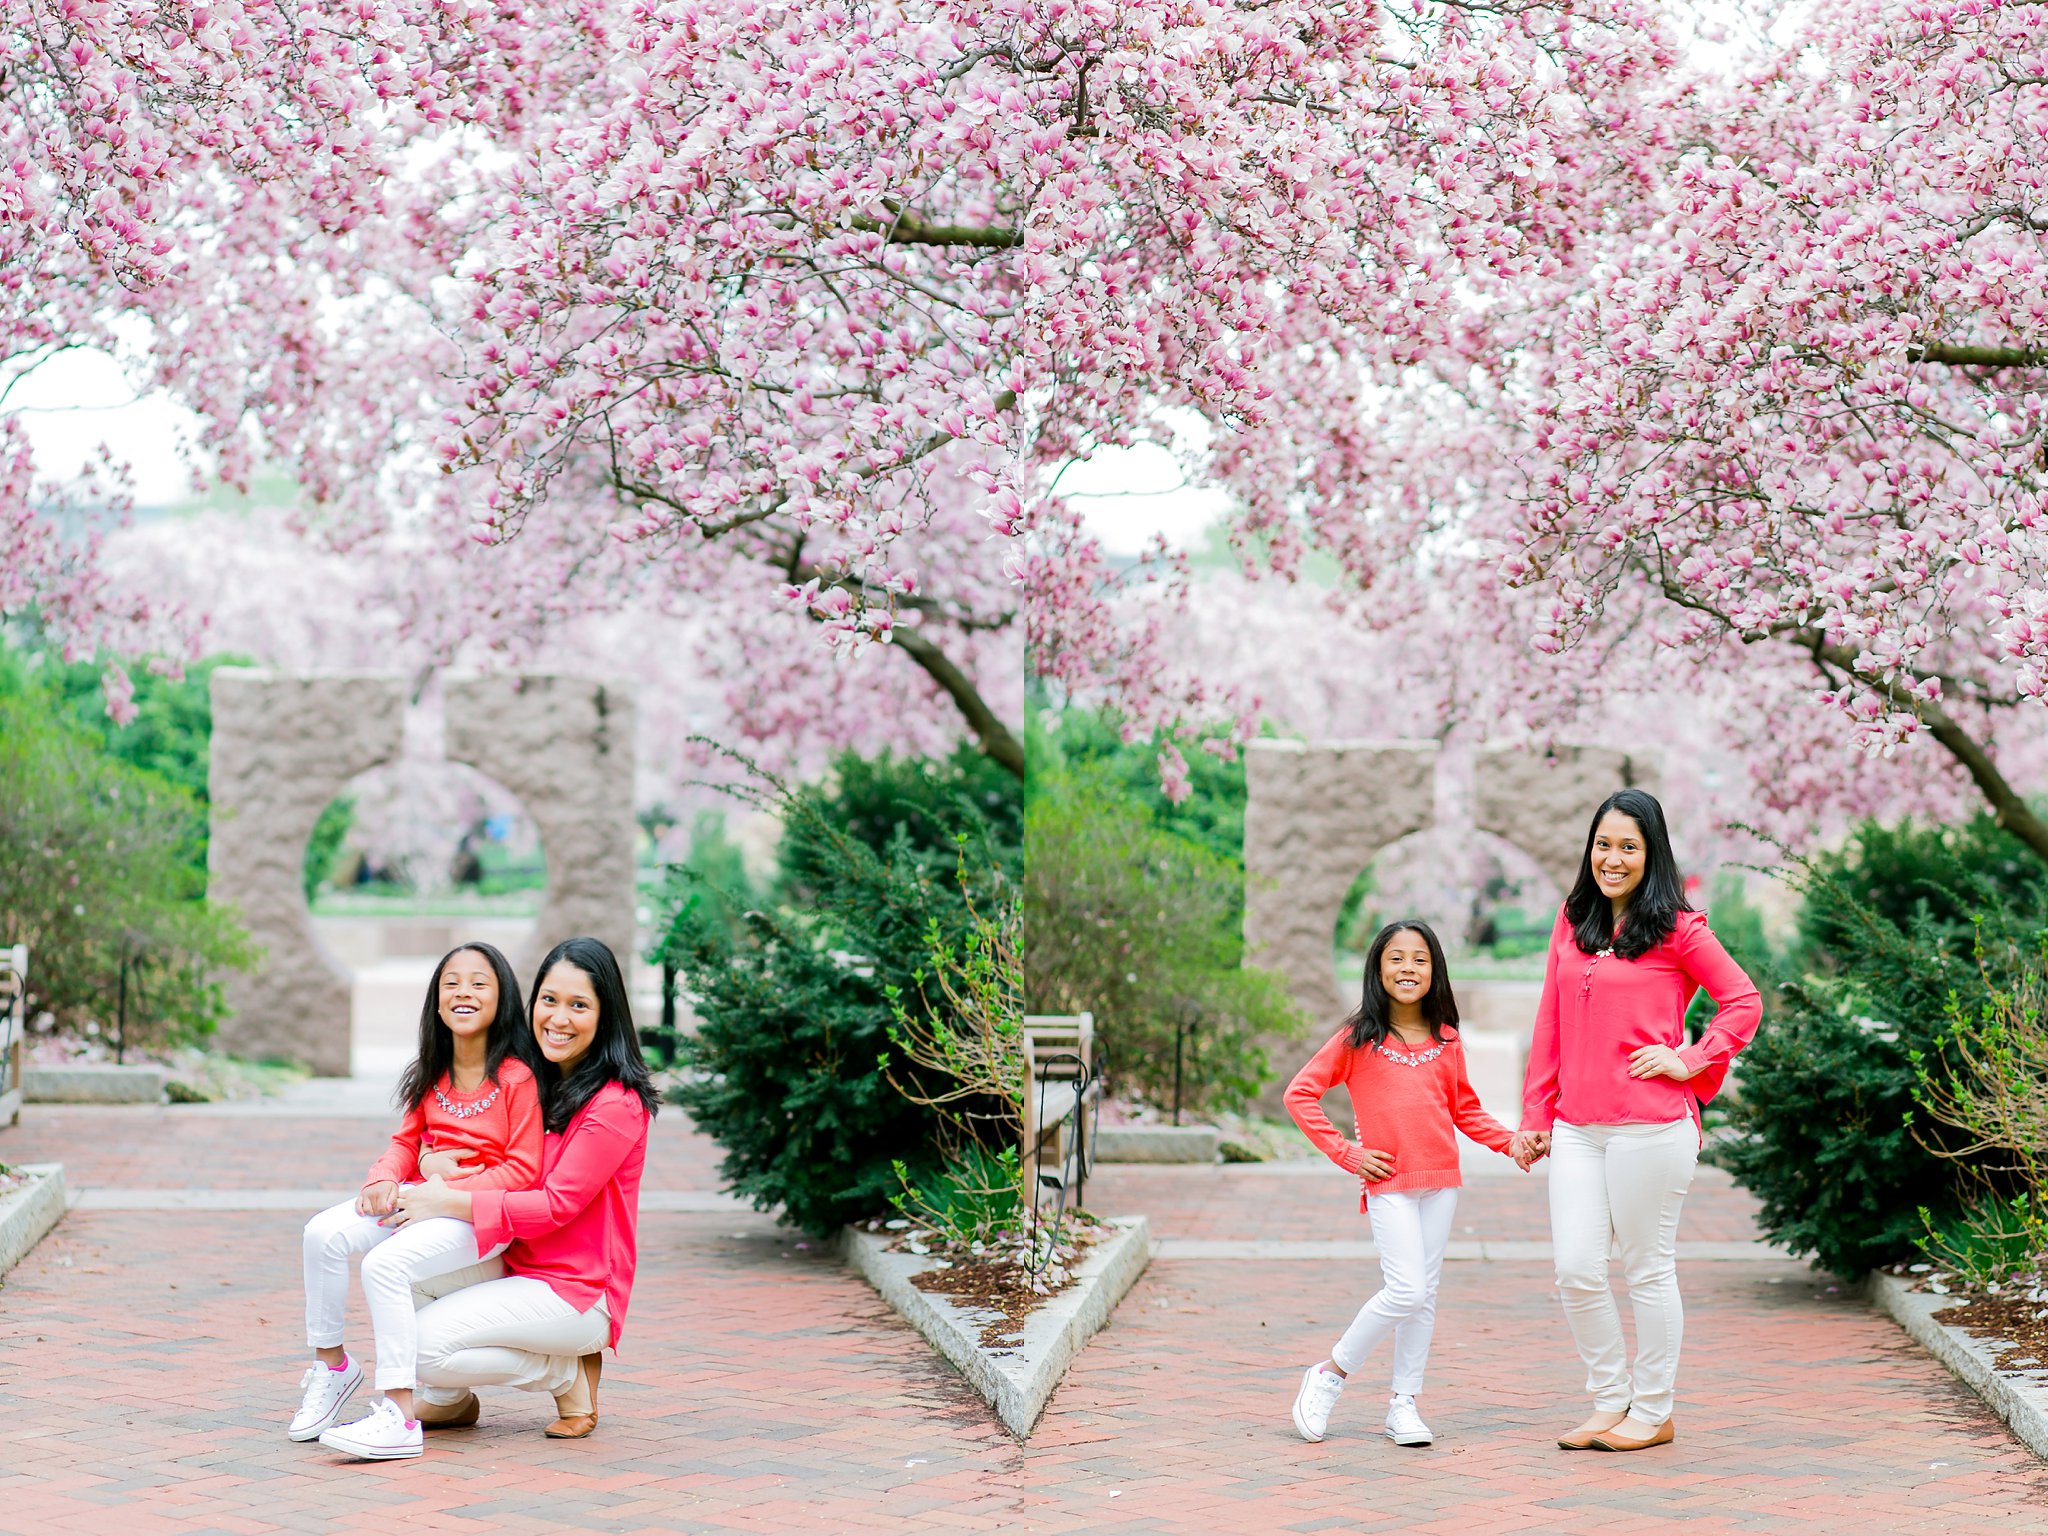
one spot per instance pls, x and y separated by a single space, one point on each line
1314 816
284 746
1540 801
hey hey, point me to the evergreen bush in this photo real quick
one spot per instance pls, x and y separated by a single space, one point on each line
791 1066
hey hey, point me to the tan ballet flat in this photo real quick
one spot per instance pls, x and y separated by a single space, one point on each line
1581 1439
576 1409
1608 1440
460 1415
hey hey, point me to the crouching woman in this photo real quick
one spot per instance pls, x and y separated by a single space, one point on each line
568 1273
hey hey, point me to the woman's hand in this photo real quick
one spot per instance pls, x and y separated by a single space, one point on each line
422 1202
447 1162
1658 1061
376 1199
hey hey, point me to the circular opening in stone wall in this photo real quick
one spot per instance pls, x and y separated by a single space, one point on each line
1489 902
410 859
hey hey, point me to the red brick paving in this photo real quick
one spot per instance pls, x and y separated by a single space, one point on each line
147 1362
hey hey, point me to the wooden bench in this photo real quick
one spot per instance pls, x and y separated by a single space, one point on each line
1059 1054
13 1021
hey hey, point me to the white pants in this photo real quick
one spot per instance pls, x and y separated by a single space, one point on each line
483 1330
395 1259
1624 1185
1410 1229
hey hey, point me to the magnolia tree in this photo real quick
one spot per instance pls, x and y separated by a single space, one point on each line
793 308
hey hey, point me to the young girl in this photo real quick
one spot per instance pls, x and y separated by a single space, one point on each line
1400 1058
468 1095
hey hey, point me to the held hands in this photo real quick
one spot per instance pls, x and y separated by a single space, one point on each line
377 1199
1375 1166
1528 1148
418 1202
1658 1061
447 1162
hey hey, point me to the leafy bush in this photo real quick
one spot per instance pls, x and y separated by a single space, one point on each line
1990 1239
1140 925
975 1196
793 1061
98 876
1838 1144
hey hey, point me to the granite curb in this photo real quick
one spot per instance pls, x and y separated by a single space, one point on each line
2020 1401
1019 1382
30 1212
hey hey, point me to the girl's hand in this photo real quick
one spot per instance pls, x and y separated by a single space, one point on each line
1528 1148
376 1199
1658 1061
447 1162
420 1202
1375 1166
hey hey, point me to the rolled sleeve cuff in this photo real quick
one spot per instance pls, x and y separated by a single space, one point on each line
1697 1057
487 1215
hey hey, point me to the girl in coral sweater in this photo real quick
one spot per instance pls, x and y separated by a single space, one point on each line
468 1096
1399 1057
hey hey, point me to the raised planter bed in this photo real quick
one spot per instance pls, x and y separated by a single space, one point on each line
96 1084
1157 1143
2019 1398
1016 1381
29 1210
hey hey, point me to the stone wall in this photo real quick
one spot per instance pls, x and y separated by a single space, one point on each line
1543 804
564 746
282 748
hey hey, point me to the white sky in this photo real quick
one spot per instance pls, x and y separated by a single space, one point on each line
77 400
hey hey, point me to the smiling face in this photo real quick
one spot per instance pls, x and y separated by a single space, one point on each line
468 997
1405 970
565 1015
1618 857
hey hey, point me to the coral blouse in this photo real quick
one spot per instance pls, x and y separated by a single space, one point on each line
500 1122
1598 1010
579 1231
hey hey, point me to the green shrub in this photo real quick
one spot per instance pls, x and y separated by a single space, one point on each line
1990 1239
98 876
975 1195
792 1062
1139 925
1836 1142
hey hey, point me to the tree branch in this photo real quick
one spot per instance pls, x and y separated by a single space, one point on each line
996 738
1962 355
911 230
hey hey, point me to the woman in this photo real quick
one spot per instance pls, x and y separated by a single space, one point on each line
1613 1095
568 1273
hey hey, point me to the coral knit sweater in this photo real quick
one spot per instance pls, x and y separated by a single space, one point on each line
579 1231
1412 1111
1598 1010
504 1132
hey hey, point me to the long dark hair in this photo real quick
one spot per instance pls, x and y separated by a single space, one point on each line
1652 910
1373 1017
508 1034
614 1054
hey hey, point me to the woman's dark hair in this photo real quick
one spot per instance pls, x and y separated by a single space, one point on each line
508 1035
1653 909
1373 1017
614 1055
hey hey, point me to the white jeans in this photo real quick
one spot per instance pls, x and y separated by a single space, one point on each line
1410 1229
1624 1185
395 1259
483 1330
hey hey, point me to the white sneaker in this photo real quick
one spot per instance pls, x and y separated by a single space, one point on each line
384 1435
322 1392
1320 1389
1404 1424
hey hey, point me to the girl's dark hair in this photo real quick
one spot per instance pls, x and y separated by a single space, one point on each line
614 1055
1373 1017
508 1035
1652 912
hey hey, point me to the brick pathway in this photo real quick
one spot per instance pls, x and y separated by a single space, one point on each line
147 1360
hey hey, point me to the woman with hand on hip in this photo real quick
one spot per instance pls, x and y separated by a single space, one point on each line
1613 1095
568 1272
